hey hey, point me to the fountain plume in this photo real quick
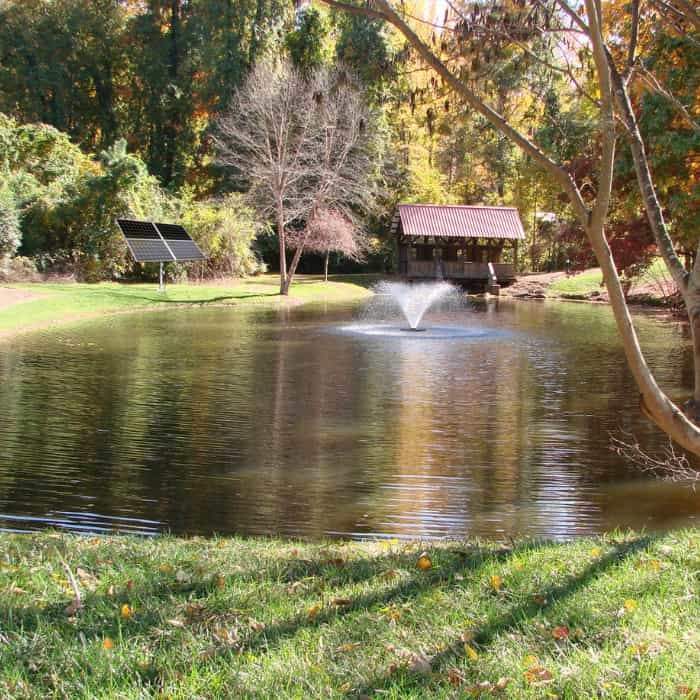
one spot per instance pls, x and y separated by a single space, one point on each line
415 299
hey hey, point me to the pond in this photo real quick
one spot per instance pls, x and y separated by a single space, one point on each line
296 421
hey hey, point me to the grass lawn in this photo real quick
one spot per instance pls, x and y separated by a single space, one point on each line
212 618
591 280
581 283
53 303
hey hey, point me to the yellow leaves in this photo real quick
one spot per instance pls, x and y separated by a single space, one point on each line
346 648
531 660
107 644
630 605
596 552
313 611
496 582
470 652
424 562
126 611
166 568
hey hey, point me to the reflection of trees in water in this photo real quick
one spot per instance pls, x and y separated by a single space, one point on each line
229 424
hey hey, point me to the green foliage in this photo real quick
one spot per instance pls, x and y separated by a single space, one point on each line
10 233
306 42
362 45
70 203
225 230
150 72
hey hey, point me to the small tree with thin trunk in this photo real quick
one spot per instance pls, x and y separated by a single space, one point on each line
331 232
302 143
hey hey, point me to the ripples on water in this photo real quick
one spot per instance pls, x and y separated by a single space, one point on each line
305 422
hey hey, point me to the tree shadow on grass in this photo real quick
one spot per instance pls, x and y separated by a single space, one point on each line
514 618
156 603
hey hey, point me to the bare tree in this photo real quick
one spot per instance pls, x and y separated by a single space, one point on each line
302 144
267 136
582 24
329 231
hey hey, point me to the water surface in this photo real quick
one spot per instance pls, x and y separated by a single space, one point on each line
301 422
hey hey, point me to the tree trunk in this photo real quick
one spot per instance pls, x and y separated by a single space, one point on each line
293 267
281 236
325 266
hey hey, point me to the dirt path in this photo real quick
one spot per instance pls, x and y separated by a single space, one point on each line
532 286
10 296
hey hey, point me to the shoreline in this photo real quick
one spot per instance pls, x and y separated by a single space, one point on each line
41 306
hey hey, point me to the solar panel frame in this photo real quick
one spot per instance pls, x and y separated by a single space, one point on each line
180 242
138 229
159 242
172 232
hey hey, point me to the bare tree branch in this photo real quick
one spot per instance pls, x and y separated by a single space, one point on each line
670 465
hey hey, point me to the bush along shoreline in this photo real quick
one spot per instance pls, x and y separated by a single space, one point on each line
95 616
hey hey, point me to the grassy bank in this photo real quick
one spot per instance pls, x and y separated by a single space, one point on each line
46 304
610 617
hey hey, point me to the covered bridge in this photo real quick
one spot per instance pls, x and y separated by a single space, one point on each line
457 242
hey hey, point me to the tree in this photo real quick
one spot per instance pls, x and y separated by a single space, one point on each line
328 231
517 25
302 144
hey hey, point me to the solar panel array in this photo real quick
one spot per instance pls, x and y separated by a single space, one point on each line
179 242
149 242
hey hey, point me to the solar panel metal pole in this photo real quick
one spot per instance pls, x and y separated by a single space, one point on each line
161 286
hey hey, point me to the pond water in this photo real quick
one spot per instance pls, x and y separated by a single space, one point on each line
302 421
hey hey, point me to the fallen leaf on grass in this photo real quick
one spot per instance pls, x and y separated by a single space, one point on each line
471 653
107 643
226 636
539 600
455 677
496 582
537 676
630 605
560 632
419 663
313 611
350 646
73 607
176 623
342 602
255 625
596 551
126 611
424 562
